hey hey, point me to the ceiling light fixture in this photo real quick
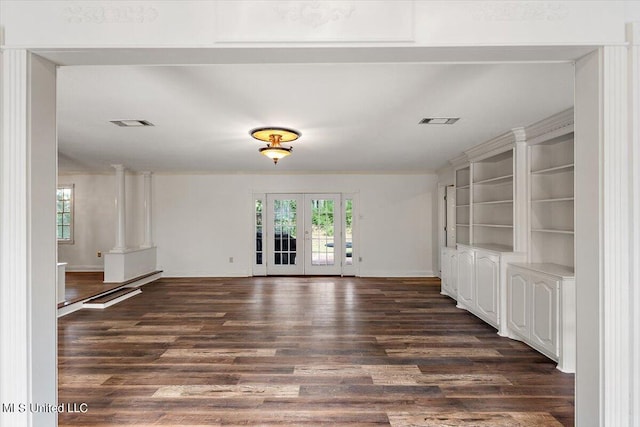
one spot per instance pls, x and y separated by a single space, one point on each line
274 137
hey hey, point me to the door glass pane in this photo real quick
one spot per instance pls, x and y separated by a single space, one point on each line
322 232
285 232
348 232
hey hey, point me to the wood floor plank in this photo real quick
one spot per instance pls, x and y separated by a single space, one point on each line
301 351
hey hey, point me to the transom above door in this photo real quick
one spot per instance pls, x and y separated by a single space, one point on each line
298 234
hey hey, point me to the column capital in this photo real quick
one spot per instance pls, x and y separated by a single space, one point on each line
633 33
118 167
146 173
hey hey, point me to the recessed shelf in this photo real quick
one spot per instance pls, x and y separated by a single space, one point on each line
558 199
552 230
463 187
493 225
462 206
496 180
555 169
494 202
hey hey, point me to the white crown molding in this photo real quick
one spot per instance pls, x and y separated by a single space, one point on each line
460 161
492 147
557 125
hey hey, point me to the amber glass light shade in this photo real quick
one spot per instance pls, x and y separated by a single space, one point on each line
274 137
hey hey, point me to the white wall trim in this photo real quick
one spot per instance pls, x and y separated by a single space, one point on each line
633 35
15 315
28 248
387 273
85 268
616 216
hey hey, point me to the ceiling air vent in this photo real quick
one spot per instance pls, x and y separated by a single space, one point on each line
439 120
131 123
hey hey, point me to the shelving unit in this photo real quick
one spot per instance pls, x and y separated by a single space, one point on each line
493 200
552 202
463 205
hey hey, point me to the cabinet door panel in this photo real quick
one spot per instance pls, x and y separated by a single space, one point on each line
445 270
465 277
518 312
453 272
487 277
543 311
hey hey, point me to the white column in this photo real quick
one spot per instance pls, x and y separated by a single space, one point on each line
604 268
148 226
121 224
520 192
28 246
633 36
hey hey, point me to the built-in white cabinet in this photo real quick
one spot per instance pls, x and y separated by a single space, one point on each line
482 283
449 272
541 310
514 263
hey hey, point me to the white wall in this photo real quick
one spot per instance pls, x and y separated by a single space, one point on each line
202 220
94 219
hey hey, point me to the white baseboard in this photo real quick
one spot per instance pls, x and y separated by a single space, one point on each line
384 273
85 268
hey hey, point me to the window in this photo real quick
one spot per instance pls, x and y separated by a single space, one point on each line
64 213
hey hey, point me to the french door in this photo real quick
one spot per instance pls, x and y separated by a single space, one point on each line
303 234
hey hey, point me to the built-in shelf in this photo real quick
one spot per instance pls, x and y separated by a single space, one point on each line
552 230
462 225
555 169
463 187
563 271
496 180
495 247
462 206
493 225
558 199
495 202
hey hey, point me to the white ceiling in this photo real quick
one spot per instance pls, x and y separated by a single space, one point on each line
356 117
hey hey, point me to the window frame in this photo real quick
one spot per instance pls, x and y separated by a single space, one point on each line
71 239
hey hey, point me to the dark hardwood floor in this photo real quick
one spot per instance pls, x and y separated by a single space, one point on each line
83 285
301 351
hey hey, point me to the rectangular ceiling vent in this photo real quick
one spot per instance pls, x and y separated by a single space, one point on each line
131 123
439 120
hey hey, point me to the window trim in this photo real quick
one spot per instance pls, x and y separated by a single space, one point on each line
71 239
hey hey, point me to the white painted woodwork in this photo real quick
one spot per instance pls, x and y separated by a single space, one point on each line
542 310
633 37
148 210
120 210
487 280
61 282
451 216
466 276
129 264
617 285
449 277
588 241
518 304
28 245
